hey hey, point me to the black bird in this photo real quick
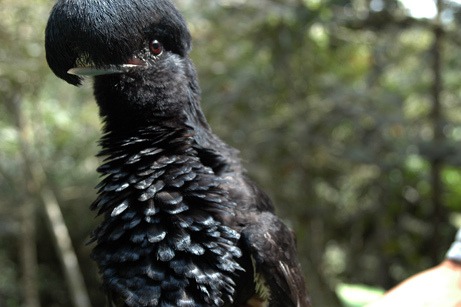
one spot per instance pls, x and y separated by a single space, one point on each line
183 225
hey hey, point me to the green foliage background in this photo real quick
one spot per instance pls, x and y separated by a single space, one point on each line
330 103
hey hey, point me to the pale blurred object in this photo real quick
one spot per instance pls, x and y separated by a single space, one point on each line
439 286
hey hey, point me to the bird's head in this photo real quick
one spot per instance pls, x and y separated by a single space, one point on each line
96 37
137 50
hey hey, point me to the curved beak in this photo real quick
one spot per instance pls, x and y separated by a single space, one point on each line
98 71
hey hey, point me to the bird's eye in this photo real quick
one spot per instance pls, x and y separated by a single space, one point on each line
156 47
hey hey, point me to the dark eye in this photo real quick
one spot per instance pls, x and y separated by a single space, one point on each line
155 47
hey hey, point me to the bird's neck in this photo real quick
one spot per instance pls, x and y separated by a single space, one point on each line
129 124
185 129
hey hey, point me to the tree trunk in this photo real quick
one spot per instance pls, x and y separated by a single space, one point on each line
36 182
438 215
27 240
28 255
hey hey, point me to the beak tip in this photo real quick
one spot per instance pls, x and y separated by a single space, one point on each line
73 71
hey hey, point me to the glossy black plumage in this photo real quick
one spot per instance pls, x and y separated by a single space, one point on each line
183 226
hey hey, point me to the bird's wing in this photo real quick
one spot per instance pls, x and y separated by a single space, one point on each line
278 275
